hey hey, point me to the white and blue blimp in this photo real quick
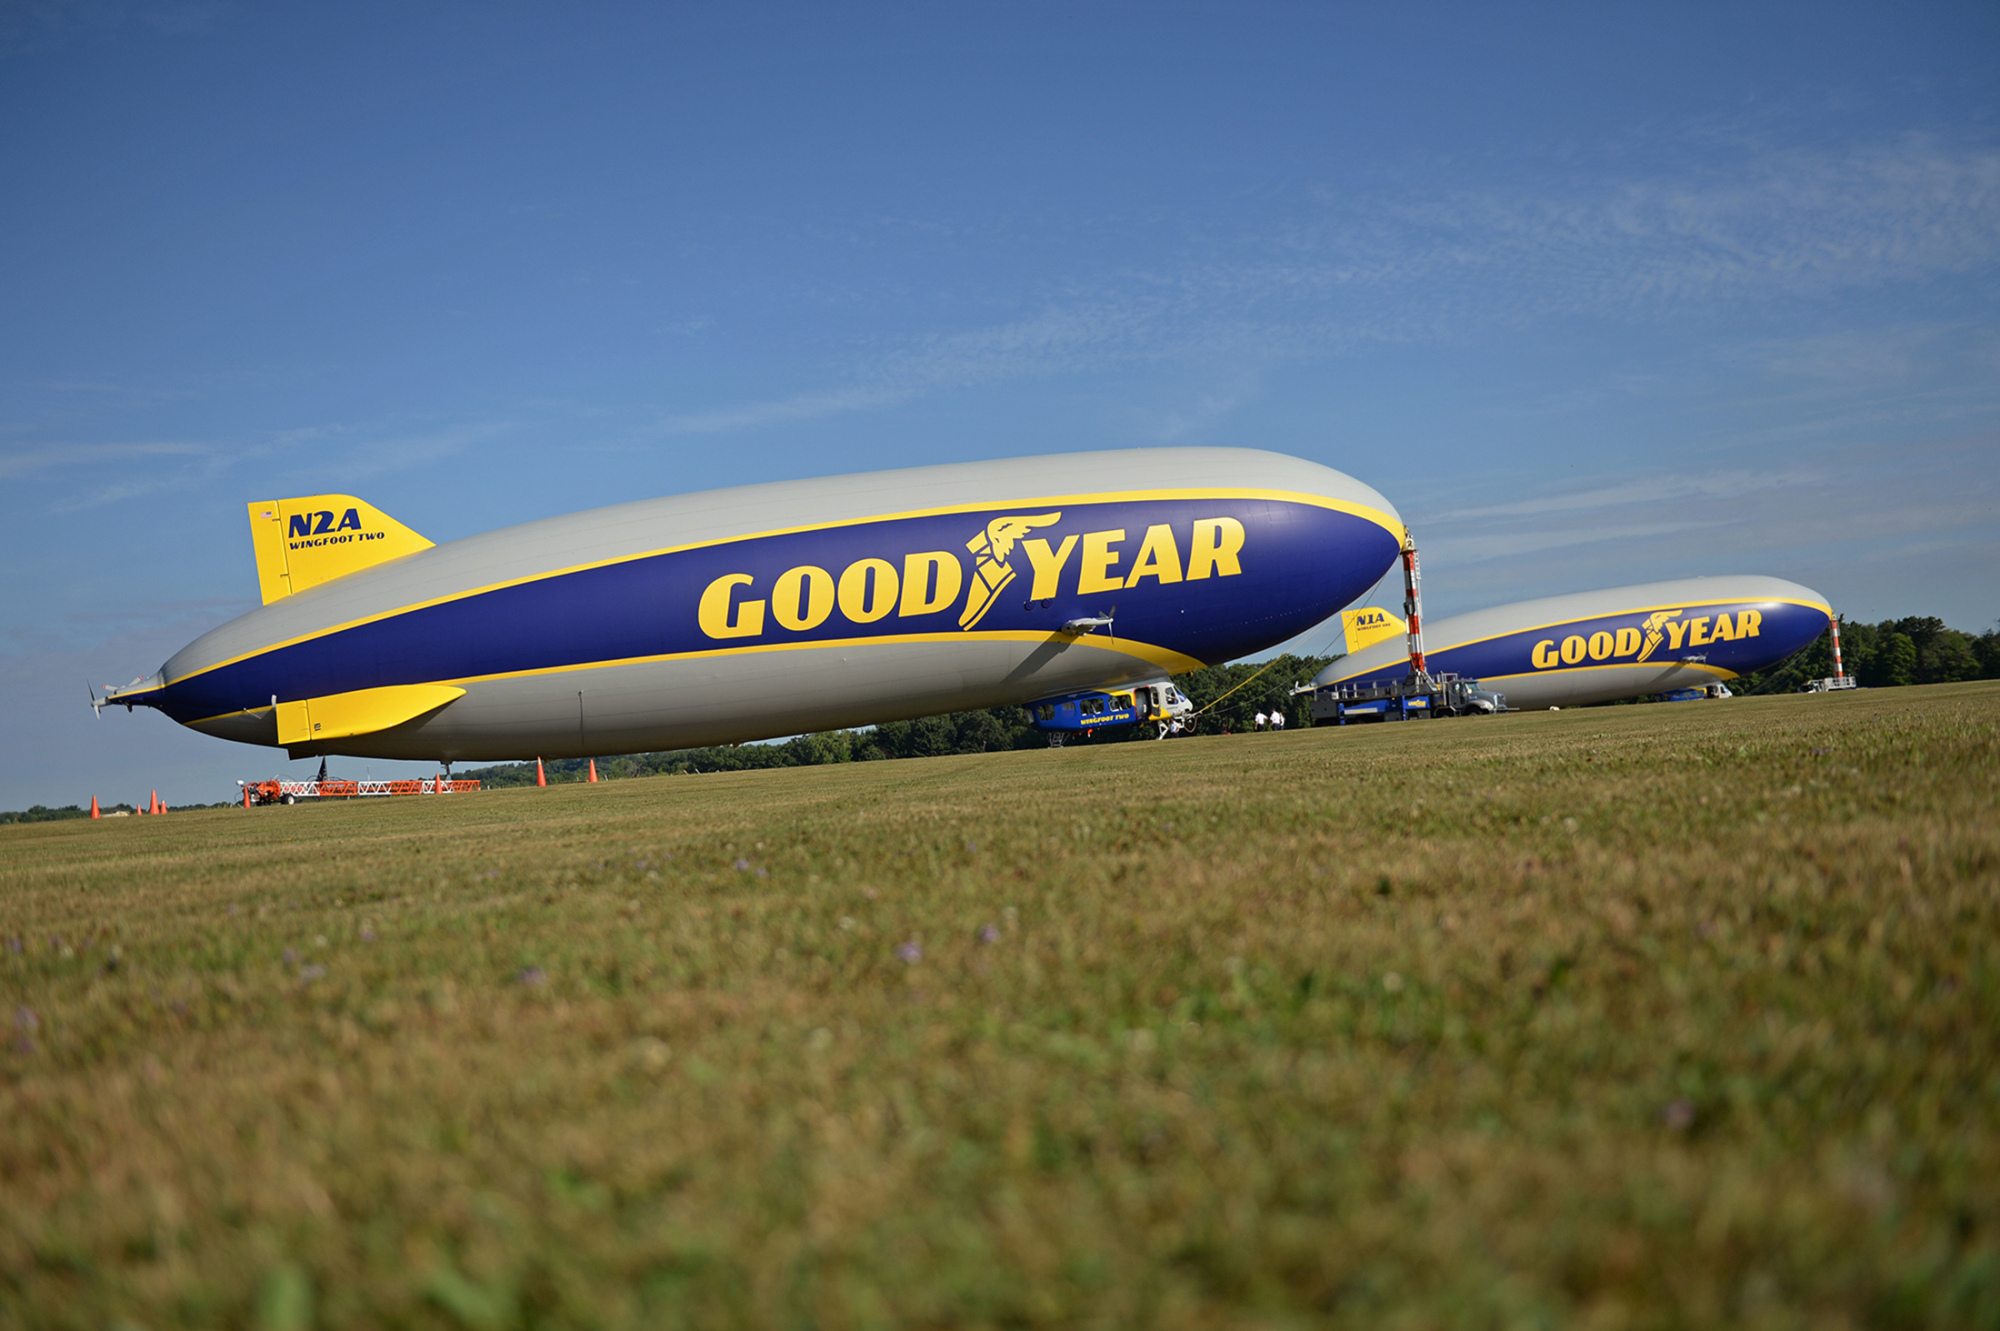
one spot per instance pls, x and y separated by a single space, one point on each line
772 609
1600 646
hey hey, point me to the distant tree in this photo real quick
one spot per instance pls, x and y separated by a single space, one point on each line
829 746
37 813
1987 648
1895 662
1920 629
1946 657
990 730
1230 696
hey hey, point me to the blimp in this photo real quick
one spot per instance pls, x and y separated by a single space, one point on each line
1598 646
771 609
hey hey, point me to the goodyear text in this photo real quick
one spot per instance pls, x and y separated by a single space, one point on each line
927 582
1675 629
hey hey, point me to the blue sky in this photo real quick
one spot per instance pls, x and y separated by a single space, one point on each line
1594 294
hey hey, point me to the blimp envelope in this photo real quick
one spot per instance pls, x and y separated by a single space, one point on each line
772 609
1624 642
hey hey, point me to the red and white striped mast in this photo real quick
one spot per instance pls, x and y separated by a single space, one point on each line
1838 673
1413 609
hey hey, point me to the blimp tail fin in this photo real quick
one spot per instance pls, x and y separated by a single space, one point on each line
1369 625
303 542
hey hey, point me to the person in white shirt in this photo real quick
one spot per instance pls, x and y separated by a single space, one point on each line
1261 719
1277 720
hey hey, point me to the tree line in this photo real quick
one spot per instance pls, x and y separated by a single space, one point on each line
1918 649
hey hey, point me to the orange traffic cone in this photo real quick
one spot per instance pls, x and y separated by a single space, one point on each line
246 797
593 769
93 808
155 806
136 811
541 778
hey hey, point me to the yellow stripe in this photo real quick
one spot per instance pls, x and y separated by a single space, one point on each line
1373 515
1717 671
1609 614
1173 662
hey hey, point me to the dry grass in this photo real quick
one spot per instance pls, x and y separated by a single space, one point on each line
1650 1016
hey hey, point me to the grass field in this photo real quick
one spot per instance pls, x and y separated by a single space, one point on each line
1644 1016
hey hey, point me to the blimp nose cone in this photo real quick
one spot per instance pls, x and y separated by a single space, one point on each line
1790 625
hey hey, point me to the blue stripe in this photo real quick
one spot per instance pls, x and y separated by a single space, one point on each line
1300 563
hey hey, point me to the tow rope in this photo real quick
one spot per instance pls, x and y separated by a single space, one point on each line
1253 679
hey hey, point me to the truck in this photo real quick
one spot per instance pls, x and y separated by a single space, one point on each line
1414 696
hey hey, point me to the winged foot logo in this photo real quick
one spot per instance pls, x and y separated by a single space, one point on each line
990 569
926 582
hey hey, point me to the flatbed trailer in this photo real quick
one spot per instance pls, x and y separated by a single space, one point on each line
291 792
1405 699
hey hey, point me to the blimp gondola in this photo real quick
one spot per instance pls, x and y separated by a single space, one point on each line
771 609
1601 646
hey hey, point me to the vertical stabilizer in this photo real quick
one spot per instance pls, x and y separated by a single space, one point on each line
1367 626
303 542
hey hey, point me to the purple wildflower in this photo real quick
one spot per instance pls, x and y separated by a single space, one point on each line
741 865
291 955
988 934
910 953
25 1018
533 975
311 973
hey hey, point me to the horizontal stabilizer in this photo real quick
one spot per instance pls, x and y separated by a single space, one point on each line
362 712
1369 625
301 543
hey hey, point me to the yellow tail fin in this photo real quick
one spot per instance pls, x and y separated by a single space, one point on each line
1369 625
301 543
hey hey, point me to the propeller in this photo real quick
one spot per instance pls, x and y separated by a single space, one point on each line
1090 623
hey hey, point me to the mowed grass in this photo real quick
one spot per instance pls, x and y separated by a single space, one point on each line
1651 1016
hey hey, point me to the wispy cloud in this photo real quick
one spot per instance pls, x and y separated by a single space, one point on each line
1831 522
344 454
53 457
335 455
784 411
1344 270
1650 491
